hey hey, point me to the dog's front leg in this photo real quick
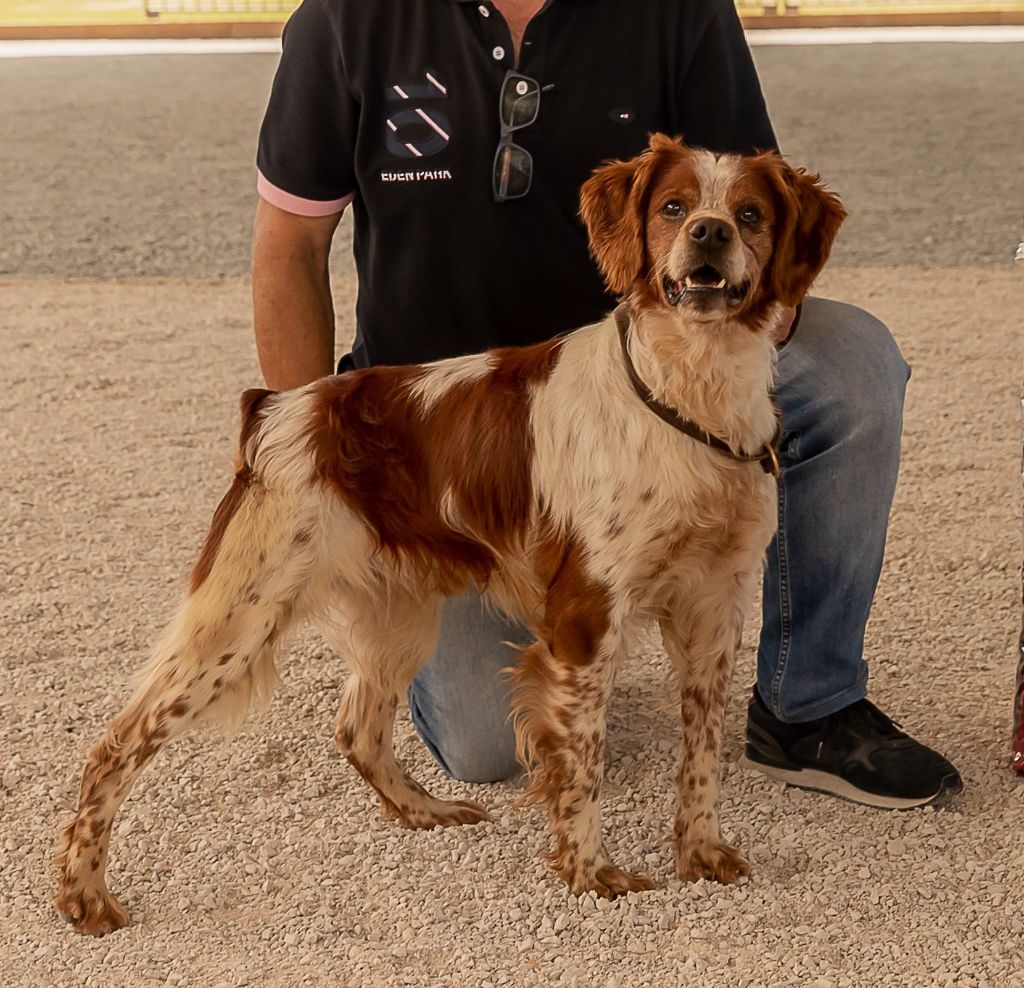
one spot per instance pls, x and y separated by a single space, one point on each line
560 701
701 642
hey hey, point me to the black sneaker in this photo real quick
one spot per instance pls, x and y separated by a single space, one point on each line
856 753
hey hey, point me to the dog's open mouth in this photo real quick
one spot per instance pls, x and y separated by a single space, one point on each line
703 284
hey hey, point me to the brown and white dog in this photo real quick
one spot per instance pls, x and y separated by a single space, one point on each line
537 474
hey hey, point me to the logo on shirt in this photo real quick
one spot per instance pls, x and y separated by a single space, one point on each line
424 175
416 131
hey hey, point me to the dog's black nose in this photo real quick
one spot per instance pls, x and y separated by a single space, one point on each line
710 233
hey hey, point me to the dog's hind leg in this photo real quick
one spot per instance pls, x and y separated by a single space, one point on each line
386 637
217 653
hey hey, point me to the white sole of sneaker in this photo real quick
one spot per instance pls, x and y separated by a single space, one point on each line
808 778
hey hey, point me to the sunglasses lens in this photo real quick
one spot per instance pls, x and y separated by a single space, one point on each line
520 101
513 169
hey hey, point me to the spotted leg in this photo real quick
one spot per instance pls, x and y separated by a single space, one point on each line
386 637
191 681
215 657
560 697
701 640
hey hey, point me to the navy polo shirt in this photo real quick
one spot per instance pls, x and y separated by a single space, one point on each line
392 105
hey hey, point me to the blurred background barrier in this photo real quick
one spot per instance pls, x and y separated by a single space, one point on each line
157 8
881 8
30 14
838 13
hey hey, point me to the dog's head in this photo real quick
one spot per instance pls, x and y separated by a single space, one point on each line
714 236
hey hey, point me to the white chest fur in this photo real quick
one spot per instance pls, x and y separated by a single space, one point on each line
654 508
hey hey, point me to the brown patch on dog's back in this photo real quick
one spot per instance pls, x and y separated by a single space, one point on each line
443 485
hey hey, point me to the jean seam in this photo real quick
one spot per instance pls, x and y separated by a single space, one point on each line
420 723
785 627
824 708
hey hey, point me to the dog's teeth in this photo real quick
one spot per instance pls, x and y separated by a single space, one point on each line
690 283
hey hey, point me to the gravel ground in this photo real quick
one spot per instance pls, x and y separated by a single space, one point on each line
261 860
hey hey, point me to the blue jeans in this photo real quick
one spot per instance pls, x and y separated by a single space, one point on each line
840 385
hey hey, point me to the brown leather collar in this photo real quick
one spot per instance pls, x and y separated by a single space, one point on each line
767 456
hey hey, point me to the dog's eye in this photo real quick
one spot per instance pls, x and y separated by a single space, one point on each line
749 215
672 210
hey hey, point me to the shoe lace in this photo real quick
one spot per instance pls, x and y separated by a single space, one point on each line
865 714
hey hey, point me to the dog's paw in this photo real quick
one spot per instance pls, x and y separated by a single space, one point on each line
609 882
617 881
92 911
442 813
715 862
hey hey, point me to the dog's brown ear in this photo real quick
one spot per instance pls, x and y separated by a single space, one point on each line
612 204
615 230
805 229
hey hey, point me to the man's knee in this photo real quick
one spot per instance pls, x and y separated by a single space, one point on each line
492 761
459 700
855 378
480 750
471 747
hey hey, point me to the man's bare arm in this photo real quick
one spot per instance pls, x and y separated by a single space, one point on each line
293 310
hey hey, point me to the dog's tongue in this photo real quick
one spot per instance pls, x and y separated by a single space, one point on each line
674 290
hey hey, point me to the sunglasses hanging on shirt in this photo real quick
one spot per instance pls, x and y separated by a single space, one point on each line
518 106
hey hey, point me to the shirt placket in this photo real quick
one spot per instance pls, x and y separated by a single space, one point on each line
497 36
532 48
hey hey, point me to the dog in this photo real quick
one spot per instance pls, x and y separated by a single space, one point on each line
619 475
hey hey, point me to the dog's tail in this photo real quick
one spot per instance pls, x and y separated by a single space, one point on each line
252 402
249 582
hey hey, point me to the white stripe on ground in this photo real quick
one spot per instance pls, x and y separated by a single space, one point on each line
782 36
140 46
888 35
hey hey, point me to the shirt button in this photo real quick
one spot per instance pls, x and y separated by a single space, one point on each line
483 10
498 53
